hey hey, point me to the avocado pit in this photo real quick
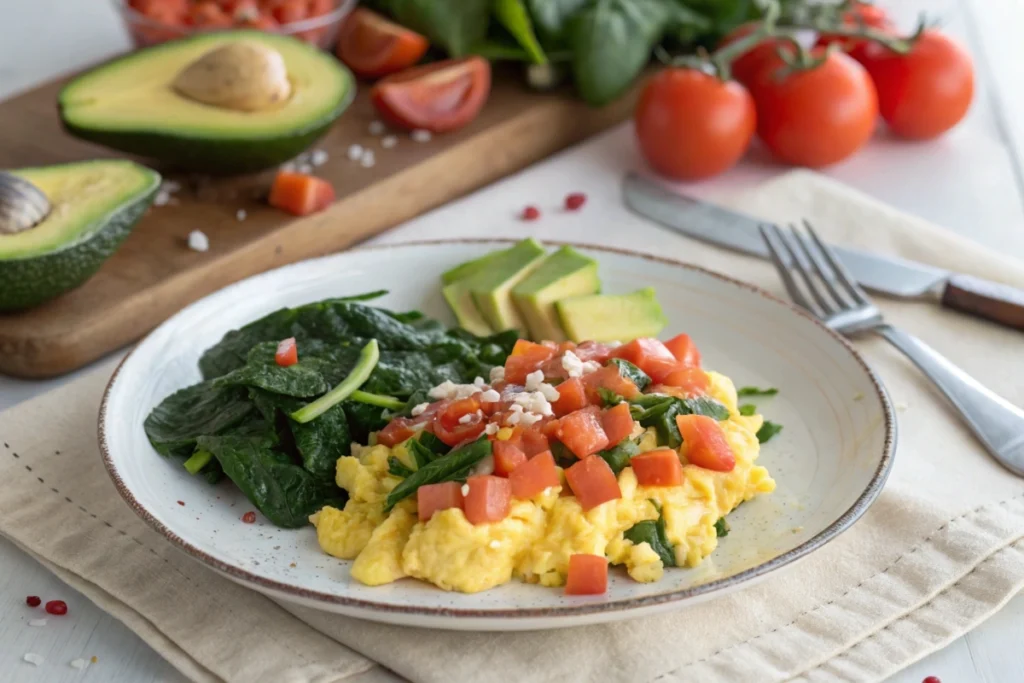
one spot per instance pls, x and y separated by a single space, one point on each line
22 205
241 75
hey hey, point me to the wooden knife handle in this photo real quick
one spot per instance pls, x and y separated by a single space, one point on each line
986 299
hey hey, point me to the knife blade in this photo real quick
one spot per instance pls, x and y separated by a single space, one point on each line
888 275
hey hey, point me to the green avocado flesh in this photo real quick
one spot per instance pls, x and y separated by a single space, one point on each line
94 206
129 104
604 317
564 273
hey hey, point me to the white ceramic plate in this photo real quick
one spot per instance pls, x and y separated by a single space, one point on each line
830 461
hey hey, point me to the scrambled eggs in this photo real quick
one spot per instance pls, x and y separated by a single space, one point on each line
535 541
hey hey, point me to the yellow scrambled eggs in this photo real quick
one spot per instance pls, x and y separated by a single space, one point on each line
535 541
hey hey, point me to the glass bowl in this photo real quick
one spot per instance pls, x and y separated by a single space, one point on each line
146 30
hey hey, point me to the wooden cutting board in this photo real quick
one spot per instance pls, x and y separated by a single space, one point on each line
154 274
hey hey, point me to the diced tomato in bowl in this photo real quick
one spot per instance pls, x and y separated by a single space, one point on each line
582 432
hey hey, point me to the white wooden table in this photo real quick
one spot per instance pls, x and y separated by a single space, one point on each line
970 181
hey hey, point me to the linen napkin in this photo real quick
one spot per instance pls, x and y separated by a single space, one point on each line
939 551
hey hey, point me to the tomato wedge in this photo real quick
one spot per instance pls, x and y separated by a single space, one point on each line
373 47
592 482
684 350
437 97
507 457
489 499
287 352
571 397
618 423
582 432
431 498
705 443
534 475
657 468
588 575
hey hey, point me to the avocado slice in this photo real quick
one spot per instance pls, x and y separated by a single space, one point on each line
464 270
604 317
131 104
563 274
94 205
482 301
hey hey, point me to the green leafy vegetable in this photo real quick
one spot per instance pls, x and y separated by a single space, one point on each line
455 25
451 467
552 16
398 468
768 430
618 457
755 391
660 411
300 380
433 444
631 372
202 409
198 461
389 402
721 527
608 397
360 373
563 456
748 409
513 16
653 533
420 453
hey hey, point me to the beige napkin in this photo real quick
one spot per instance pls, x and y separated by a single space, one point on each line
939 551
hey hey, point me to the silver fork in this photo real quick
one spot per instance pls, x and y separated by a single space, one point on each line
838 301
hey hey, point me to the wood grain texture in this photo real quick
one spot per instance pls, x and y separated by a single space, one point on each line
154 275
985 299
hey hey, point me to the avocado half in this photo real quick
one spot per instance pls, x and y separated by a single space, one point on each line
93 207
129 104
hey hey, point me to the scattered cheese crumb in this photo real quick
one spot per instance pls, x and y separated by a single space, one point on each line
591 366
485 466
534 380
613 344
572 364
466 419
305 168
516 408
79 663
376 128
318 157
530 419
355 152
450 390
198 241
419 409
388 141
420 135
478 381
490 396
497 374
162 197
465 490
491 429
37 622
550 392
494 545
241 214
513 419
33 658
368 159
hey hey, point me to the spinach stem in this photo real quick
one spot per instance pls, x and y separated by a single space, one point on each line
389 402
198 461
368 358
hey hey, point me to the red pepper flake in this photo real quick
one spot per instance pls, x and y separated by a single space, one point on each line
575 200
57 607
932 679
531 213
249 517
181 503
33 601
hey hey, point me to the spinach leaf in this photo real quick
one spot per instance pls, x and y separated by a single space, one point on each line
398 468
721 527
301 380
608 397
768 430
499 51
552 16
201 409
618 457
653 532
450 467
755 391
564 458
420 453
611 41
513 16
702 405
658 411
285 493
363 419
433 444
368 358
631 372
455 25
748 409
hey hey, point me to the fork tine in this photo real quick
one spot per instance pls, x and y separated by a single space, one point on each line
817 264
767 230
848 282
805 274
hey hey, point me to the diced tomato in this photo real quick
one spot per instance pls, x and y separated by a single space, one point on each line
287 11
534 475
705 443
592 482
287 352
300 194
507 457
456 410
431 498
207 15
588 575
550 429
595 351
526 357
609 378
438 97
640 352
396 431
372 46
534 442
660 368
582 432
684 350
489 499
617 423
571 397
460 432
657 468
693 381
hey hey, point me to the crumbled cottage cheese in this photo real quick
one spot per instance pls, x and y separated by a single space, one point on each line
419 409
490 396
450 390
572 364
497 374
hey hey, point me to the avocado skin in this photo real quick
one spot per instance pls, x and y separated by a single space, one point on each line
30 281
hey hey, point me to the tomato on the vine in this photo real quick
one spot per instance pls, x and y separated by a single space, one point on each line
860 14
746 67
926 92
818 116
692 125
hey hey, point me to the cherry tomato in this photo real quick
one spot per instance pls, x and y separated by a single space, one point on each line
818 116
747 66
926 92
860 14
437 97
691 125
372 46
459 421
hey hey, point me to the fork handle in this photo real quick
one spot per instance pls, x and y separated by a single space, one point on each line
995 421
990 300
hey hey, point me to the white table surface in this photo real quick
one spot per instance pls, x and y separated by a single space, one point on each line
970 182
